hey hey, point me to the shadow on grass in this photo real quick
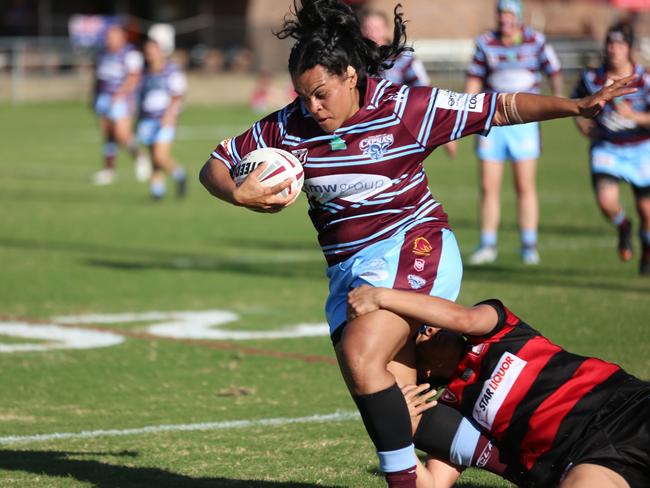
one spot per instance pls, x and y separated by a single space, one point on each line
104 475
132 258
545 229
259 267
543 275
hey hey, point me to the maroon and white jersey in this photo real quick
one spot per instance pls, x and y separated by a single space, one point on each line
365 182
531 395
513 68
407 70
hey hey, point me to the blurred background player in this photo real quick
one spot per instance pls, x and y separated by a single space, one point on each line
510 59
620 141
117 77
163 87
558 418
407 70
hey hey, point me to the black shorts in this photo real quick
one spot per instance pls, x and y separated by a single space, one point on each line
619 435
639 191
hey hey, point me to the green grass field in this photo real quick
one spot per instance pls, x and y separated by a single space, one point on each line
68 248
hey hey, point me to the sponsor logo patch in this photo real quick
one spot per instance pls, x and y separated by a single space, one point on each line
448 397
496 388
485 455
422 247
449 100
376 146
352 187
418 265
416 282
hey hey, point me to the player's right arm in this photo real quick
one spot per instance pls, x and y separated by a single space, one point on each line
215 177
434 311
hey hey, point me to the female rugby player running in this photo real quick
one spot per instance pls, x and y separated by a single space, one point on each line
362 142
620 141
163 87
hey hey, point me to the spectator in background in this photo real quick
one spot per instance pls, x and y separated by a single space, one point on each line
163 87
620 141
117 77
510 59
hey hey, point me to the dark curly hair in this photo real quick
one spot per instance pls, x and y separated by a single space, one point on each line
328 33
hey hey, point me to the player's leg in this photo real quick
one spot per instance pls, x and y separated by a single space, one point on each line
607 192
491 176
123 120
525 176
164 162
106 175
642 199
368 343
592 475
491 152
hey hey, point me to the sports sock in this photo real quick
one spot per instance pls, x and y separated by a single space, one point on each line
528 238
179 173
444 433
133 148
110 151
488 239
644 235
157 188
619 218
388 423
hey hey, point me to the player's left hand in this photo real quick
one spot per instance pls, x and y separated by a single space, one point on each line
591 106
419 398
362 300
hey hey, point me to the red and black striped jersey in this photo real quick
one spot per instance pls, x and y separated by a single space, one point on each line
531 395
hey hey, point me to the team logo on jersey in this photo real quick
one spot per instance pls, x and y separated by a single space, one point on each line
449 100
496 388
416 282
225 145
376 146
448 397
301 155
477 349
418 265
422 247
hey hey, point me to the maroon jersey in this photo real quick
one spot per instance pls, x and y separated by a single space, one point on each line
365 182
534 397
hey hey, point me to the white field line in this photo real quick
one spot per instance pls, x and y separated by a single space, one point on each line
152 429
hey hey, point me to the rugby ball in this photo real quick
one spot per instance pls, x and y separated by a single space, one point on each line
280 166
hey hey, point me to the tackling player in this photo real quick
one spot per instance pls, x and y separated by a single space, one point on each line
620 141
510 59
163 87
117 76
555 417
362 142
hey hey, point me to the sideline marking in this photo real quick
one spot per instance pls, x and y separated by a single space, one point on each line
227 424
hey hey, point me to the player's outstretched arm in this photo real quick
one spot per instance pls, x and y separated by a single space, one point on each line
519 108
214 176
433 311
